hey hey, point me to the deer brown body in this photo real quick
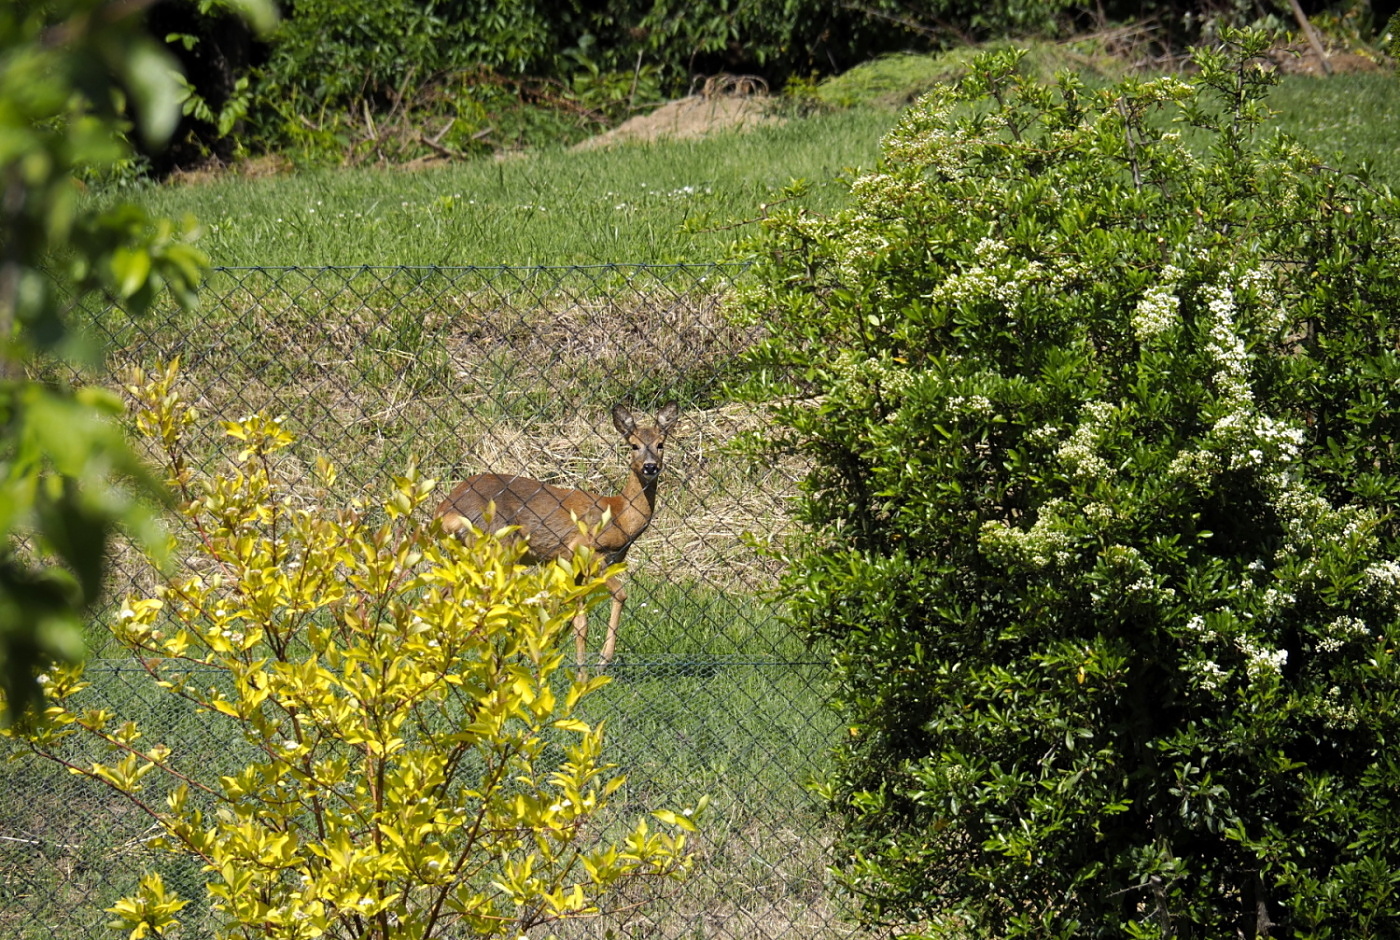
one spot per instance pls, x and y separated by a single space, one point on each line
548 517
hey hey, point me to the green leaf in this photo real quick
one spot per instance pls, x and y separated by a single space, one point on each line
150 74
131 269
261 15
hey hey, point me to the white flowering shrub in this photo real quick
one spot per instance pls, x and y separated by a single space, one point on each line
1100 392
397 750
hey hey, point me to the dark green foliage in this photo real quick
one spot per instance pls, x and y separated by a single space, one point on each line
339 50
351 80
1098 391
324 84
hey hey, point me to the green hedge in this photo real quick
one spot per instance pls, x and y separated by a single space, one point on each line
1099 396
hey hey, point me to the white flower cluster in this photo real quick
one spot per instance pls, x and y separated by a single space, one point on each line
1100 514
1272 315
1382 581
882 190
1349 626
1304 509
889 376
1256 437
863 238
1260 661
972 406
1226 348
1210 676
1044 544
1308 519
1336 714
1196 467
1158 310
1078 453
1136 576
991 251
1342 630
1043 436
995 276
1197 625
1250 438
1274 602
921 138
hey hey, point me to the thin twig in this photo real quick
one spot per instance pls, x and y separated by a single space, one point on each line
1132 144
437 138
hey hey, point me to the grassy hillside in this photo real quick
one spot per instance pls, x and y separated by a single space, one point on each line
663 202
667 201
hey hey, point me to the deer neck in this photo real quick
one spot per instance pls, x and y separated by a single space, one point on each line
638 502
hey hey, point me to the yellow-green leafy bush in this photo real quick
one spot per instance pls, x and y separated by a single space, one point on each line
410 759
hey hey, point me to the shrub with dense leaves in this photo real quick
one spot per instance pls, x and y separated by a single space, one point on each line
339 51
1100 393
396 752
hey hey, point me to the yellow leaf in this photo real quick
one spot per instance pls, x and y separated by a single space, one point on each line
223 706
675 819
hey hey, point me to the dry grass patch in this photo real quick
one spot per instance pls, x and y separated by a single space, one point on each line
514 375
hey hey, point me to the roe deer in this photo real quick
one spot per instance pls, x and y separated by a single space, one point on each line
548 517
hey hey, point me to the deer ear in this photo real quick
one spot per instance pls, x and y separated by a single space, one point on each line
667 416
623 421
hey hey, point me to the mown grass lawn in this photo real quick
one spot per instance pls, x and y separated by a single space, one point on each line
661 202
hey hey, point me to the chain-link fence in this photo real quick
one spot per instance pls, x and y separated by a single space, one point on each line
515 371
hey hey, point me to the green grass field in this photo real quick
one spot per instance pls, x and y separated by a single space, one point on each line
662 202
1348 119
656 203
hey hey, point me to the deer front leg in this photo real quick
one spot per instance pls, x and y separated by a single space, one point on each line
619 597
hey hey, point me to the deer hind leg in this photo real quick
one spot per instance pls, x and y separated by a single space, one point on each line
619 597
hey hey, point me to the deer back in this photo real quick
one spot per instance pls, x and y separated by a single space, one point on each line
543 514
546 515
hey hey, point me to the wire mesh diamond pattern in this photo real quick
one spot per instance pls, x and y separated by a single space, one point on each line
513 371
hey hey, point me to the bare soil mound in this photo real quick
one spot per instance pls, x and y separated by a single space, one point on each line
1302 59
689 117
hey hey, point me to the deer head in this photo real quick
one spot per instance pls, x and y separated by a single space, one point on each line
648 443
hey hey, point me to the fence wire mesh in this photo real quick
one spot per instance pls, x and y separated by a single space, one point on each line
513 371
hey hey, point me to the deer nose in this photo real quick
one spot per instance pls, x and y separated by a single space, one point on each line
651 468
